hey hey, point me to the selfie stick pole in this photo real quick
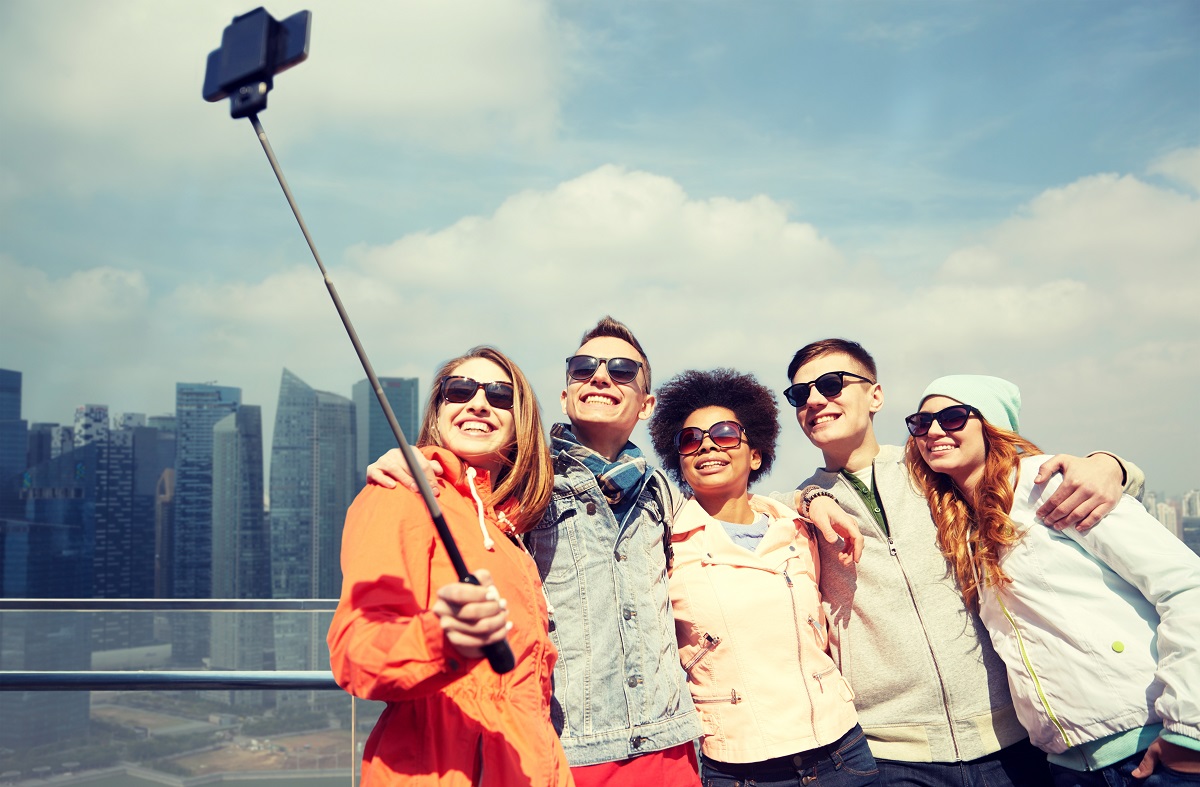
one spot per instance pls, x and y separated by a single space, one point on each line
499 654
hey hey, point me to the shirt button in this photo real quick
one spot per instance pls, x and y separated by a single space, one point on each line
591 509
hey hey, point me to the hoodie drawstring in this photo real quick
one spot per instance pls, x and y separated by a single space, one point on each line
488 543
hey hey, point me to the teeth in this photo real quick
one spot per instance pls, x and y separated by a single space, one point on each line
474 426
940 449
710 463
822 419
597 399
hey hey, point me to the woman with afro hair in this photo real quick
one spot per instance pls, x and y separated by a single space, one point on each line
744 591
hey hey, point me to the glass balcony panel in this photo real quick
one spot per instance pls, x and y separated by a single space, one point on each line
159 734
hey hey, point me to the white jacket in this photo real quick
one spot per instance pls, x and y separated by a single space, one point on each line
1100 632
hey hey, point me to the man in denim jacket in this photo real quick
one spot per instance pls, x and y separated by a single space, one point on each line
621 703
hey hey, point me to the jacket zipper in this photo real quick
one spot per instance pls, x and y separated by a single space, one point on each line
812 710
821 634
916 608
820 676
733 699
1037 684
707 643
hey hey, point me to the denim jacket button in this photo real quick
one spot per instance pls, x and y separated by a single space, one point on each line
591 509
633 681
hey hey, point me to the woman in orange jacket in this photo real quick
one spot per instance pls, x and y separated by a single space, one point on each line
406 632
744 590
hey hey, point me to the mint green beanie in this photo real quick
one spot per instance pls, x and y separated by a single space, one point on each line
998 399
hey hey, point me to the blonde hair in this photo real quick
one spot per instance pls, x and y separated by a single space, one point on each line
972 534
523 486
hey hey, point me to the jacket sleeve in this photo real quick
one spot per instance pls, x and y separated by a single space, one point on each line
1145 554
384 643
1135 479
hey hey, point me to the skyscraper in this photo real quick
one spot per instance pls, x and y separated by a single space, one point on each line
198 407
241 549
312 485
14 441
374 435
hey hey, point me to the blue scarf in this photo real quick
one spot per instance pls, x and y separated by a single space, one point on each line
619 481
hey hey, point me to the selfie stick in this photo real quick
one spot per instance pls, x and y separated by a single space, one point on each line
259 29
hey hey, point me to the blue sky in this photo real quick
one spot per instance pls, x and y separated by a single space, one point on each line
1005 188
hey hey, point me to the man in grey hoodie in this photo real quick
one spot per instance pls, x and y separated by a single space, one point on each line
931 692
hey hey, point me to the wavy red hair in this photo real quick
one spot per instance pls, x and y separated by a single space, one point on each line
972 534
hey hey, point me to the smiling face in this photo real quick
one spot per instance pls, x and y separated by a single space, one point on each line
475 431
717 474
840 426
960 455
603 414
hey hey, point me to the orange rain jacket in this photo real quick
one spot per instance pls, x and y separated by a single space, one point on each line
449 720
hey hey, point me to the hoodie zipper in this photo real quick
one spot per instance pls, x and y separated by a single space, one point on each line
912 595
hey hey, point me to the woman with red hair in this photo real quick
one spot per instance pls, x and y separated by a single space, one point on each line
1098 630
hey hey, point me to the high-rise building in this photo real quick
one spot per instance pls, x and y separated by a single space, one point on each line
1166 514
312 485
50 553
40 440
91 424
1191 504
1190 532
374 434
62 441
14 441
241 549
198 407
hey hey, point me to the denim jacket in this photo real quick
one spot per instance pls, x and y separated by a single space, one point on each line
619 689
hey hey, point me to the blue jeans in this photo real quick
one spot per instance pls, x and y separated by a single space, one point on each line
847 762
1120 775
1018 765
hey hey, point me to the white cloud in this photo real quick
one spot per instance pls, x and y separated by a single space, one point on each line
1083 296
104 93
1181 166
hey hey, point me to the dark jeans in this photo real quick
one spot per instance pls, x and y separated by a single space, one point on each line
1118 775
1019 765
847 762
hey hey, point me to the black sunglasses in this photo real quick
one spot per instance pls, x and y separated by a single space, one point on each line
828 385
952 419
462 389
724 434
621 371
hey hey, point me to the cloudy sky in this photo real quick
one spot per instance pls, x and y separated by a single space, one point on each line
1004 188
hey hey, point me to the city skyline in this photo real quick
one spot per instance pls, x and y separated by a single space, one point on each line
360 390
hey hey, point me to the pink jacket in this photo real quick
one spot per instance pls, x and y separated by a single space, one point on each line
752 638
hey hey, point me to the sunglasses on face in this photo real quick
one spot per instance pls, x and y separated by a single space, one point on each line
621 371
952 419
462 389
828 385
724 434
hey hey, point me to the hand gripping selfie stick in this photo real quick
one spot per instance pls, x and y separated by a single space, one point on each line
254 48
